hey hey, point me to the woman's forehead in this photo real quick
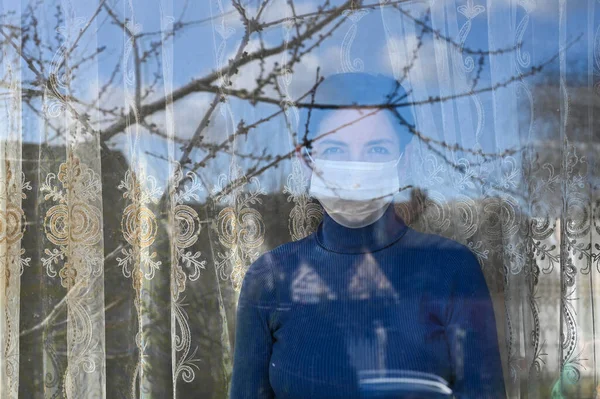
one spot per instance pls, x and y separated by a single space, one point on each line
356 126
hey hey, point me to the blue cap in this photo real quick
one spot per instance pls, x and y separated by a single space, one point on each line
356 88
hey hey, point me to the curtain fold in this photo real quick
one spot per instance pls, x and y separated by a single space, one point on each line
13 188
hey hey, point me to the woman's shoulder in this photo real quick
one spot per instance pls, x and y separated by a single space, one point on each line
285 253
443 251
433 241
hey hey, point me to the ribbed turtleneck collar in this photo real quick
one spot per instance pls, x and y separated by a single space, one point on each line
385 231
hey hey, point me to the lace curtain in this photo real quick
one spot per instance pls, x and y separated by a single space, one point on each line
148 147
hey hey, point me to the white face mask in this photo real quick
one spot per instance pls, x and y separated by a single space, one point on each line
354 194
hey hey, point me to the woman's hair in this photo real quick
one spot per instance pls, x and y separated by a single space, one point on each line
356 88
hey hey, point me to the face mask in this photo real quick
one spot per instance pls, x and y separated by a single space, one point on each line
354 194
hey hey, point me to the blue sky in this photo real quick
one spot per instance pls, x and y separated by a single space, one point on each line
194 55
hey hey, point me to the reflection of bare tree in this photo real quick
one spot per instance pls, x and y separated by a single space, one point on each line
310 30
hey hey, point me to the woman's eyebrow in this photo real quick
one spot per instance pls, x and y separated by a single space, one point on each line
380 141
334 142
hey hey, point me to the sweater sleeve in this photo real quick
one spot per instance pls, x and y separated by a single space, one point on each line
253 339
471 332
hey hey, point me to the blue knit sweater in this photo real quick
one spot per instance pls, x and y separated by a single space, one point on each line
314 314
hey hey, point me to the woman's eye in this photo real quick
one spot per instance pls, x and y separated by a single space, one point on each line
379 150
332 150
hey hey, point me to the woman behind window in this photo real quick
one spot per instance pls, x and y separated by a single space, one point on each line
365 307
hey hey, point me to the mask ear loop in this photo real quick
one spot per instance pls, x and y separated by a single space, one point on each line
311 159
399 158
396 165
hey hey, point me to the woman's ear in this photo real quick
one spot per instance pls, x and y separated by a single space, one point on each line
405 161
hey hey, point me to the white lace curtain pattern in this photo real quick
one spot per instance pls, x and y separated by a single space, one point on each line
143 172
